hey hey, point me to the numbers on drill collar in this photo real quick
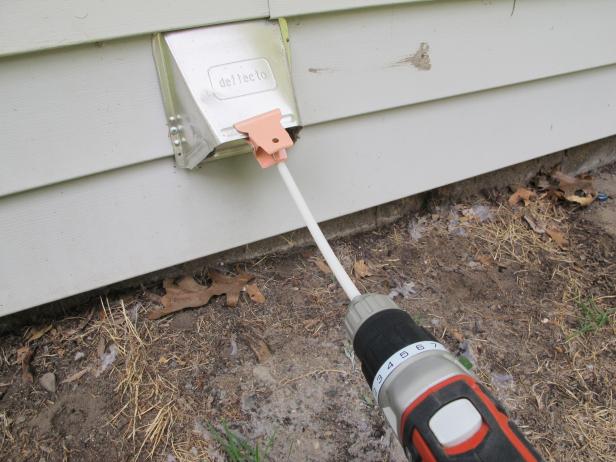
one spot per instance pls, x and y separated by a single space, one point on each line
398 358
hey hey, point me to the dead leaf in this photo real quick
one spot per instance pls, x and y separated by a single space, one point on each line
189 284
322 265
24 356
230 286
254 293
151 296
75 376
307 253
361 269
35 334
260 349
81 326
455 333
569 184
258 346
582 200
188 293
251 335
486 260
579 190
557 236
535 225
521 194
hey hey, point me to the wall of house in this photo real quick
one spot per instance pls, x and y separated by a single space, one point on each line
396 98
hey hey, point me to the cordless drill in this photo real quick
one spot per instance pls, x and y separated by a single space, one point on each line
436 408
434 405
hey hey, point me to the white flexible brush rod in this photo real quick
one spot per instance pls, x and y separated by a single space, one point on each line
330 257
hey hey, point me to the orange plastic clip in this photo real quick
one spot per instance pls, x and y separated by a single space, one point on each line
268 137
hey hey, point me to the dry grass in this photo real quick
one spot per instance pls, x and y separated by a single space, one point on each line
532 309
151 404
596 430
582 393
6 437
510 238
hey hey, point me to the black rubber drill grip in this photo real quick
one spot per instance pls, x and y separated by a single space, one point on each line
382 335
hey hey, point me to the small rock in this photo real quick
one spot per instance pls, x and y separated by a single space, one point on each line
79 355
48 382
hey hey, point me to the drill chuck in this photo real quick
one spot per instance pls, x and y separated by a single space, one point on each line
433 404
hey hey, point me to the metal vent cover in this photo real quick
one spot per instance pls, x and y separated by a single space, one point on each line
213 77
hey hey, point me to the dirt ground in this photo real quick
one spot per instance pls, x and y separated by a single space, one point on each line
530 309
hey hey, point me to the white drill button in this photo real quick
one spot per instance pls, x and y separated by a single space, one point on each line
455 422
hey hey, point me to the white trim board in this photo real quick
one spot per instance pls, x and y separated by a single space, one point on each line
75 236
82 110
32 25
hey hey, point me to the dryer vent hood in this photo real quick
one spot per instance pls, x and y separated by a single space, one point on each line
214 77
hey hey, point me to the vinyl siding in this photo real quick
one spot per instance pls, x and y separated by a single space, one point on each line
91 195
32 25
